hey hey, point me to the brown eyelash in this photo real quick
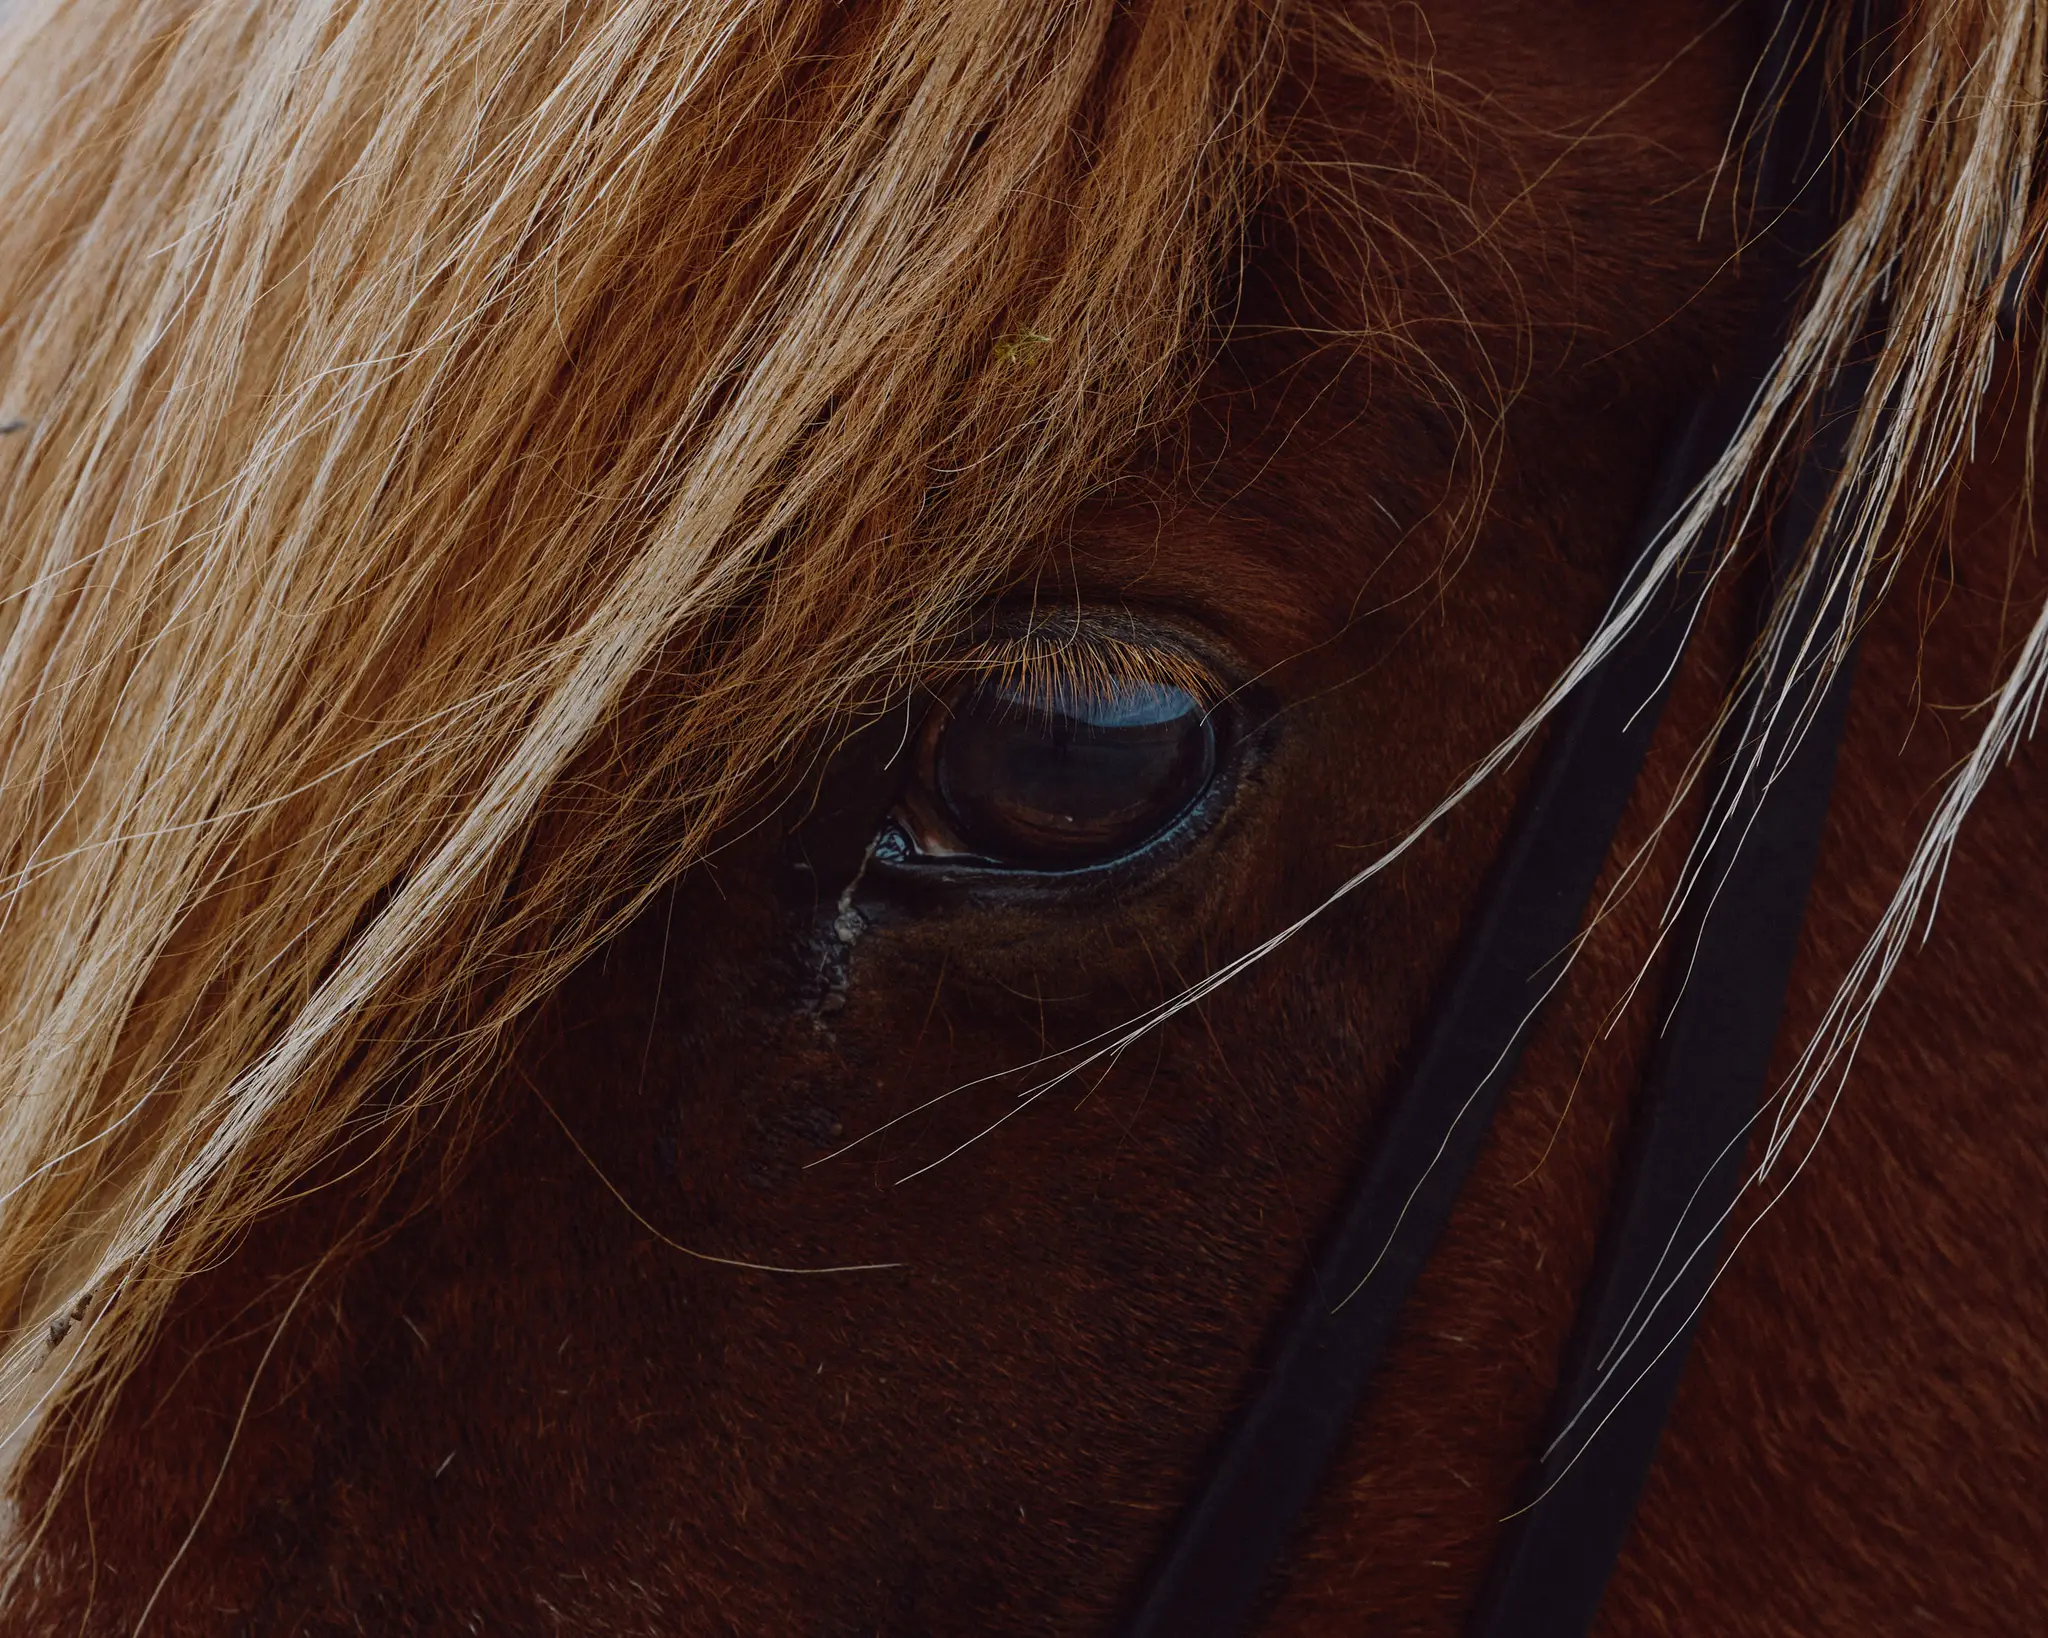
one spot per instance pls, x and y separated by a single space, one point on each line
1083 660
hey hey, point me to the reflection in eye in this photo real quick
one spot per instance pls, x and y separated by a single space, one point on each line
1074 776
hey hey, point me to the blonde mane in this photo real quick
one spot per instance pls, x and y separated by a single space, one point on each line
465 449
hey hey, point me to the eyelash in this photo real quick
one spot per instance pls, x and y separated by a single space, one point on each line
1048 760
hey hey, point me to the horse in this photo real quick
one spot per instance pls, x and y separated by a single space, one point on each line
741 739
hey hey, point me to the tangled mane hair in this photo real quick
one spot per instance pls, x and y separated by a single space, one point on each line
465 448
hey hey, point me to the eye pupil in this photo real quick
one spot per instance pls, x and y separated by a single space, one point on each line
1075 779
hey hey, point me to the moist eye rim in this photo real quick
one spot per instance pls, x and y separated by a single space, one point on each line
895 858
909 864
1240 719
1038 814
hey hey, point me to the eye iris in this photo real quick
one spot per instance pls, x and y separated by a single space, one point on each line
1075 779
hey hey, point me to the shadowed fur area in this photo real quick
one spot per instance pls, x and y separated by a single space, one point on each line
671 1234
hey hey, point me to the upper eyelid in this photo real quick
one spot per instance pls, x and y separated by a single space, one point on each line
1081 658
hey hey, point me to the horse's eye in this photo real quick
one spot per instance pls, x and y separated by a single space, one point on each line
1070 779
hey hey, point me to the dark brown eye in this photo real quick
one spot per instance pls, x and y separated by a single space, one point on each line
1072 779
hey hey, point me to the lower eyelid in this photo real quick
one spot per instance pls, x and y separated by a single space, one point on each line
942 818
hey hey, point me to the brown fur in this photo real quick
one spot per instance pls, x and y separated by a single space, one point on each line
523 1410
